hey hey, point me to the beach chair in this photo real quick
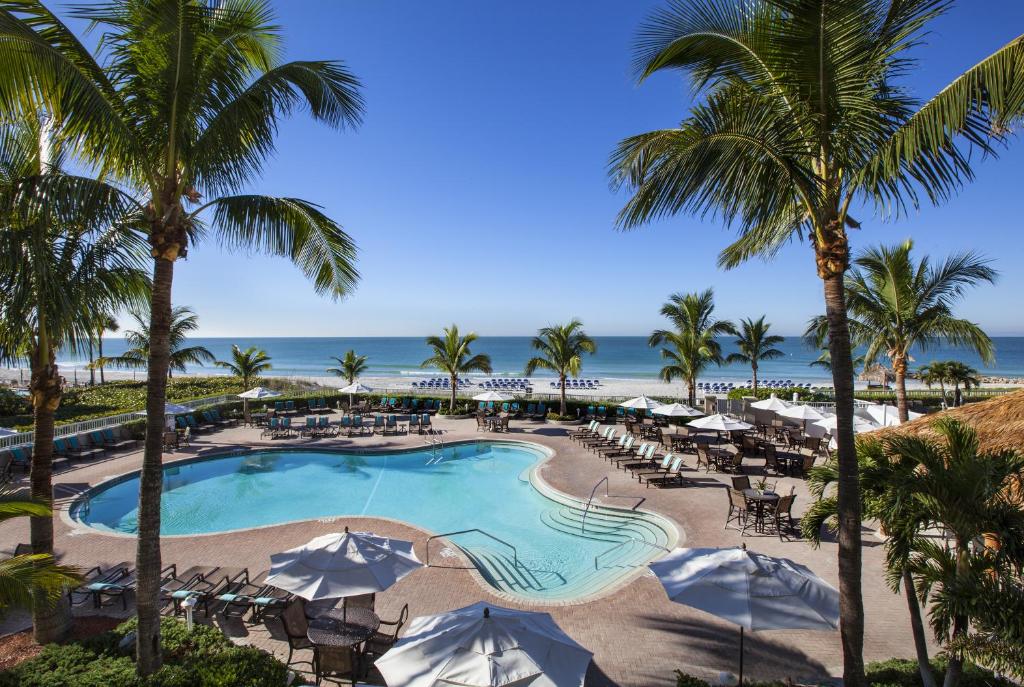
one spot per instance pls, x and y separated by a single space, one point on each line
391 425
271 428
425 426
310 428
357 425
98 580
113 443
672 477
414 422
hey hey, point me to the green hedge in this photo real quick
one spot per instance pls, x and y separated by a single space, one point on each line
203 657
785 394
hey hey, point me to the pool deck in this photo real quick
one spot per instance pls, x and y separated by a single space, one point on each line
637 635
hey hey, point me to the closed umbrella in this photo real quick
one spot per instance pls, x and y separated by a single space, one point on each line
773 403
342 564
720 423
485 646
676 410
752 590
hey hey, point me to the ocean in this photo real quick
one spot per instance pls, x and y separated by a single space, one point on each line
617 357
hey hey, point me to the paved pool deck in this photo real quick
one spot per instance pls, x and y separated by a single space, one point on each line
637 635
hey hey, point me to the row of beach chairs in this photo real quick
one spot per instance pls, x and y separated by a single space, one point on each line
629 453
409 405
441 383
532 411
577 384
75 447
348 425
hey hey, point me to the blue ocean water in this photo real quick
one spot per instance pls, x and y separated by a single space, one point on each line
617 357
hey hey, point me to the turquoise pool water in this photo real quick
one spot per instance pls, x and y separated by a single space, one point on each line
479 485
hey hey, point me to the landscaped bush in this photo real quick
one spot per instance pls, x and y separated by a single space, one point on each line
896 672
203 657
12 403
785 394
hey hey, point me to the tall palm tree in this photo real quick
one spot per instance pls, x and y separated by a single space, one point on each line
935 372
824 361
105 322
350 366
33 580
692 344
561 349
755 345
246 365
67 250
896 304
957 374
800 115
182 100
183 321
452 355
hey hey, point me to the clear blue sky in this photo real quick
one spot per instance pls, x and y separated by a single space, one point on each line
477 192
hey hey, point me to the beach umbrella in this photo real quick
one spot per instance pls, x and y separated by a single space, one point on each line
173 409
720 423
884 415
752 590
773 403
676 410
257 393
485 646
342 564
354 388
802 412
492 396
860 425
641 403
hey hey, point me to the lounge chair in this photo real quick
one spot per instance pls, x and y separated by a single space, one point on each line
645 460
630 453
198 582
112 581
673 477
625 441
589 430
310 428
662 468
600 437
425 426
414 422
113 443
609 439
391 424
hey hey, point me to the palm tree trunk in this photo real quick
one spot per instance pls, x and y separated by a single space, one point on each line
92 370
561 407
455 380
955 668
99 348
691 391
833 260
50 622
148 561
917 628
899 368
753 368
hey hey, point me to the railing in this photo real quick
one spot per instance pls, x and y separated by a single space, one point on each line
627 541
583 520
515 553
435 442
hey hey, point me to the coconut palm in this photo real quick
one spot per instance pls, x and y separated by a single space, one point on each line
350 366
182 100
935 372
755 344
105 322
247 365
692 344
32 580
561 349
67 250
960 374
824 361
801 115
896 305
452 355
183 321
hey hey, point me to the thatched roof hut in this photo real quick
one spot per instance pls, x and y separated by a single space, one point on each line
876 374
999 422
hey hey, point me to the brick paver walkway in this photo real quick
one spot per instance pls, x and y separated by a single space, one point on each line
637 635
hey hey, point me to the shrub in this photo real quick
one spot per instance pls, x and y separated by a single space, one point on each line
562 418
12 403
898 672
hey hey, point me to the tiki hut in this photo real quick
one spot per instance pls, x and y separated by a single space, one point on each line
999 422
876 374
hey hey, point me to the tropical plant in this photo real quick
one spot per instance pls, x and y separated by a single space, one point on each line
561 348
350 366
960 374
755 344
452 355
896 305
67 250
800 115
180 356
105 322
247 365
182 99
692 344
824 361
935 372
33 580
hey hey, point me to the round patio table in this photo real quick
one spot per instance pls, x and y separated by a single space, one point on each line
339 627
760 500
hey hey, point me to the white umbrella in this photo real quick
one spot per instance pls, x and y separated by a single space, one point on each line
884 415
773 403
4 432
485 646
860 425
355 388
492 396
259 392
641 402
676 410
803 412
754 591
173 409
719 422
342 564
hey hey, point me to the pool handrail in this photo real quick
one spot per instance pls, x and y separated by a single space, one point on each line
515 553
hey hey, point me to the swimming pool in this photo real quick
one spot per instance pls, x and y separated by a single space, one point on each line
483 485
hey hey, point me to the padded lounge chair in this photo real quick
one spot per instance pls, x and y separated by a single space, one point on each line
112 580
673 477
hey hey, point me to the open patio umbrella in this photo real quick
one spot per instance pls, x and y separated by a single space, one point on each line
800 411
485 646
4 432
720 423
641 402
255 393
884 415
860 425
342 564
492 396
752 590
773 403
354 388
676 410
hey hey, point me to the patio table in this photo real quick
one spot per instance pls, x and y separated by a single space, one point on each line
340 627
760 500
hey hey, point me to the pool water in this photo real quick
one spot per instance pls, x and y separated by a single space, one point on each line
482 485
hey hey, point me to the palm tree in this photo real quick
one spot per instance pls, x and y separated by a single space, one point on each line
561 349
452 355
183 321
105 323
33 580
895 305
800 115
755 345
350 366
957 374
693 343
971 497
935 372
66 250
246 365
182 100
824 360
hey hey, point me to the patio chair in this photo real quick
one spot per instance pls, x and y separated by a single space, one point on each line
771 459
112 580
502 425
733 463
739 510
780 516
336 663
293 620
272 427
661 469
186 437
359 601
673 477
741 482
386 635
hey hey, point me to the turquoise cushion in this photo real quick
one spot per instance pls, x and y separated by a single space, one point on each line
103 586
183 594
227 597
264 600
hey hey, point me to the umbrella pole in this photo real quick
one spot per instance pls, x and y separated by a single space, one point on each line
741 656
